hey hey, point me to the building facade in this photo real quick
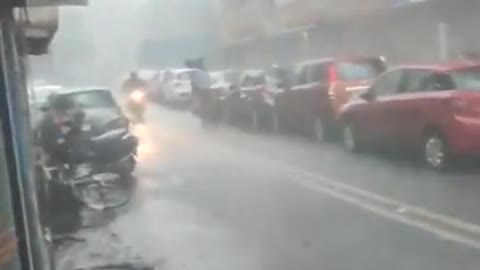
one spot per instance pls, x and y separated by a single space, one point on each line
23 243
173 30
401 30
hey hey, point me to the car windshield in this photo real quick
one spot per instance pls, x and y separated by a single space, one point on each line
358 70
184 76
41 94
254 79
468 78
225 76
231 76
282 75
93 99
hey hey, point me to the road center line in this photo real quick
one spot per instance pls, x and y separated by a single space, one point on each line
442 226
391 215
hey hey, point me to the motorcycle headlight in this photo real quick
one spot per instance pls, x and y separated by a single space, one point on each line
137 95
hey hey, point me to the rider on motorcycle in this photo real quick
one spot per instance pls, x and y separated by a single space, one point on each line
134 82
134 91
54 129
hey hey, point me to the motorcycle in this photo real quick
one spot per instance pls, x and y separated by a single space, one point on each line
94 170
113 152
136 104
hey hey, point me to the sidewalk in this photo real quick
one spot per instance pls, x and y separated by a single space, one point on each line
99 245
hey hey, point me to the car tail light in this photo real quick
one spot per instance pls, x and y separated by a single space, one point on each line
332 79
332 74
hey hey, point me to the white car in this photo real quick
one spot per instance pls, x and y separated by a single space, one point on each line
177 85
156 85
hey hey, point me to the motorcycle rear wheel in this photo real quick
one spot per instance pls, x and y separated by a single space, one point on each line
101 195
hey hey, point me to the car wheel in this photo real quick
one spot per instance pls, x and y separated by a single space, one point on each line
350 139
435 151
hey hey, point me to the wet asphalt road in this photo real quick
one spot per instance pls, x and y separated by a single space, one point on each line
224 199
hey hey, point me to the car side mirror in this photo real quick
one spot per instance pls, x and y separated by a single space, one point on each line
368 96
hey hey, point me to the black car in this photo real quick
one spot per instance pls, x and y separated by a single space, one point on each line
252 102
101 110
102 113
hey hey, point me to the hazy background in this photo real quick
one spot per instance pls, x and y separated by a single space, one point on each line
98 43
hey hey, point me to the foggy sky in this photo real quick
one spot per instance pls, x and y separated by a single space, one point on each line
109 32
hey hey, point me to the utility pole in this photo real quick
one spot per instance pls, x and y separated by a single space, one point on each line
442 35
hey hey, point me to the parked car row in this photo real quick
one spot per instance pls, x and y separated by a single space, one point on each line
172 86
307 98
433 111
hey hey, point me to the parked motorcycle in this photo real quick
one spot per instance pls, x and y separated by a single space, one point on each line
136 104
95 171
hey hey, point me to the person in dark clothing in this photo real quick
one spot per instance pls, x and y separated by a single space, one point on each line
57 134
132 83
201 82
53 133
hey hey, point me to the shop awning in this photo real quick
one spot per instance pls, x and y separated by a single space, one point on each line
50 3
39 21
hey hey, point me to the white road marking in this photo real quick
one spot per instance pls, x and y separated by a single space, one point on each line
371 207
442 226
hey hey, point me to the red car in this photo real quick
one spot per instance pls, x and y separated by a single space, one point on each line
432 109
312 104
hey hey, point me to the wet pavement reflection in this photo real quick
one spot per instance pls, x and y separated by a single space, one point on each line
222 199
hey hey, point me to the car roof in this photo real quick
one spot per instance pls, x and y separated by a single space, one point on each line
47 87
445 67
339 58
68 91
253 72
219 72
181 70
